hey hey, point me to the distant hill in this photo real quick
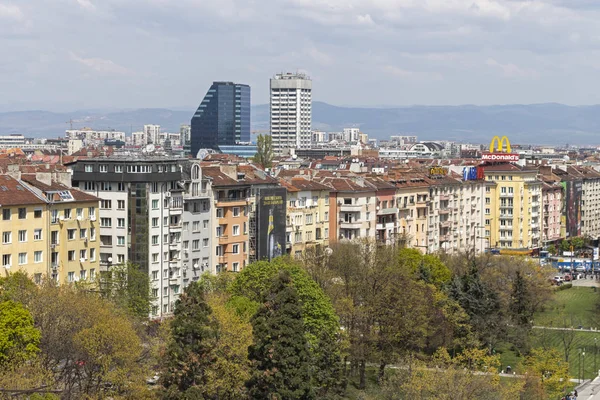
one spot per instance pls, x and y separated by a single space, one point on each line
537 123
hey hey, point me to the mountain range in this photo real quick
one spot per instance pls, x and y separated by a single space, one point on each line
549 123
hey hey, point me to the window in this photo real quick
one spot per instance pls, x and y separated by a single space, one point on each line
92 213
196 244
235 249
106 222
82 233
118 169
67 213
6 214
105 203
82 255
121 240
71 234
205 242
205 224
54 216
121 222
236 230
120 258
196 226
326 216
155 222
154 257
298 237
155 204
155 239
219 213
22 258
54 237
154 293
487 211
487 221
89 168
22 213
154 275
235 266
80 213
309 218
92 258
71 276
236 211
120 204
103 168
83 274
92 272
92 233
22 236
71 255
37 234
6 260
37 256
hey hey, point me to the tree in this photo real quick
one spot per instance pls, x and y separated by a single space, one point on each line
264 151
226 377
279 353
550 371
19 339
128 287
190 351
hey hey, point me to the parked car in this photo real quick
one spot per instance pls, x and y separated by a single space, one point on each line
568 278
558 279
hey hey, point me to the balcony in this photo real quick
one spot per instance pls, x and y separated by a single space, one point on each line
446 224
235 201
350 208
388 225
506 216
510 195
445 238
176 226
351 225
444 197
223 239
444 211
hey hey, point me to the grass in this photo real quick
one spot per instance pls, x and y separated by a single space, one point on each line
574 307
372 391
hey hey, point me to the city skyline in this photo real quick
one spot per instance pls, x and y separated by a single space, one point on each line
437 52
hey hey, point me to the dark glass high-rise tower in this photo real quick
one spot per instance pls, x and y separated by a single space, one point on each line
223 117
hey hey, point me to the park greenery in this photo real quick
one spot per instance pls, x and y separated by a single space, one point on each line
358 321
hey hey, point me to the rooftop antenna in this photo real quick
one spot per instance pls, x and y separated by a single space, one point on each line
70 122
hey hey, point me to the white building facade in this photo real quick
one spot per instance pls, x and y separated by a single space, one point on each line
291 111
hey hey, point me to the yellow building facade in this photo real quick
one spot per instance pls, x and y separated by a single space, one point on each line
48 230
512 208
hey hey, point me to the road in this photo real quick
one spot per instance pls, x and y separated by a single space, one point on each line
591 391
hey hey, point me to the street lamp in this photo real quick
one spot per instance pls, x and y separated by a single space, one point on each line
595 353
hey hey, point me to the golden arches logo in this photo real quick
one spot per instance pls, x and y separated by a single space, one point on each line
498 144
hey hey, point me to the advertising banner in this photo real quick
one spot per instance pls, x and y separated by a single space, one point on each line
270 216
573 208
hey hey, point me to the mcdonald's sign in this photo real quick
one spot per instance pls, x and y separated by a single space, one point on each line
500 150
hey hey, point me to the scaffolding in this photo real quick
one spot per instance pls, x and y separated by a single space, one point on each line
252 232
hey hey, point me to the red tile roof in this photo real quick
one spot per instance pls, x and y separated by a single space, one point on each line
14 193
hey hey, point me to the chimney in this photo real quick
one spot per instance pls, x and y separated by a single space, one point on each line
44 177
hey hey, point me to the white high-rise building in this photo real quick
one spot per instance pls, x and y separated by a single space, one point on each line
291 112
152 133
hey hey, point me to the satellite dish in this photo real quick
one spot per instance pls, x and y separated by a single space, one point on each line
150 148
294 156
202 153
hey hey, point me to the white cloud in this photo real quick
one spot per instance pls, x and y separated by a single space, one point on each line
511 70
410 74
102 66
318 56
10 11
87 4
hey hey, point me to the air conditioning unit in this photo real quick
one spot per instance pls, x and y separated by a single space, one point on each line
168 194
196 266
79 218
92 218
61 218
53 246
82 259
54 267
85 240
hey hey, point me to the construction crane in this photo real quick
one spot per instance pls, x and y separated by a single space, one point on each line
70 122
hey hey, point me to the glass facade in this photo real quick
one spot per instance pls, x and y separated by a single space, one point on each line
223 117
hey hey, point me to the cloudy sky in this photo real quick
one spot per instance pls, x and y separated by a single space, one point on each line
66 54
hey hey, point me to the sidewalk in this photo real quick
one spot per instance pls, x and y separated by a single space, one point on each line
590 390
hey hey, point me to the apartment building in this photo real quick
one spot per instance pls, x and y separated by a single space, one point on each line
48 229
73 239
513 207
140 215
456 219
352 208
307 223
590 202
552 220
24 228
386 211
412 201
197 232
